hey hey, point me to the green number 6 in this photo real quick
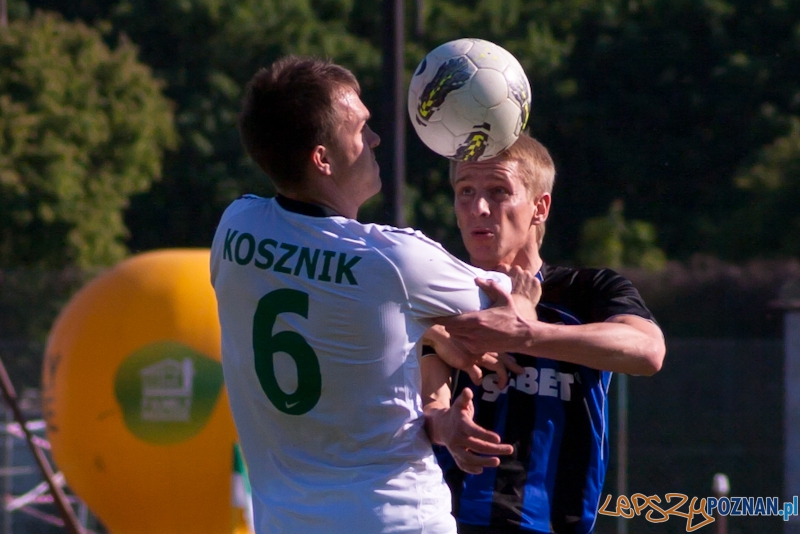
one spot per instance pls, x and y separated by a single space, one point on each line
265 345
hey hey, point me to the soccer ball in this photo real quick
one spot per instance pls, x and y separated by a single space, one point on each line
469 99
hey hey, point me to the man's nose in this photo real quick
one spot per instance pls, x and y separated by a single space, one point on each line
480 207
375 140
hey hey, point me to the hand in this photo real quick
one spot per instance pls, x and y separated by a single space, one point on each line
472 447
505 327
503 364
526 289
456 356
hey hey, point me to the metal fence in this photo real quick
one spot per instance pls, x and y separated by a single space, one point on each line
716 406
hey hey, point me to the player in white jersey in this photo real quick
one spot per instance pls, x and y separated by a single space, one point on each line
320 317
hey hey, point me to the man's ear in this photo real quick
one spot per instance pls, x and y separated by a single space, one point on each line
541 208
321 160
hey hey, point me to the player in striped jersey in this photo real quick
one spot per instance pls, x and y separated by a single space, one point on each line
591 322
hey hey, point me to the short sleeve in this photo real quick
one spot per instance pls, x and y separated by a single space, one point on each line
437 283
615 295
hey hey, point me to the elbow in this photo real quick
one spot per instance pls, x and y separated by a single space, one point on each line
650 367
653 358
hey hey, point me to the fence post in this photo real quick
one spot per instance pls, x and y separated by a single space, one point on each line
721 488
622 445
789 302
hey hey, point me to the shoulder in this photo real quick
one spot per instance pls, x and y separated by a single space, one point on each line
408 244
416 255
583 279
399 245
593 295
420 260
246 203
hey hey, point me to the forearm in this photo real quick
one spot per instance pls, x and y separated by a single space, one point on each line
436 394
473 448
624 344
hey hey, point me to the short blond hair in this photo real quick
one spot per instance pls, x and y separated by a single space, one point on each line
536 167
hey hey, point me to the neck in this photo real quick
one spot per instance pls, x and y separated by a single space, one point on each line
533 265
527 259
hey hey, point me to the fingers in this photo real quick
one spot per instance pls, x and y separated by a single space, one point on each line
472 436
473 447
525 283
479 449
492 362
455 322
535 293
464 400
503 364
510 362
526 291
520 278
475 374
496 294
473 463
464 411
485 442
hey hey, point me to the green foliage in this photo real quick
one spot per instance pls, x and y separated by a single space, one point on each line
206 50
613 242
769 225
666 106
666 103
82 128
778 162
30 300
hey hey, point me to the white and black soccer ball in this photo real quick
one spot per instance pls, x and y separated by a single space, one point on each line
469 99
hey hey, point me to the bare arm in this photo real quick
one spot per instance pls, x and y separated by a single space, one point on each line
624 343
471 446
455 355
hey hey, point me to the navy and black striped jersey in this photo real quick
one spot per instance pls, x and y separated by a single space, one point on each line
555 415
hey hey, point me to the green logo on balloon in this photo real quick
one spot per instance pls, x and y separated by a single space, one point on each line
167 391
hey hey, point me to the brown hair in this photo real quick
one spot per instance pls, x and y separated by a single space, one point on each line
288 109
536 167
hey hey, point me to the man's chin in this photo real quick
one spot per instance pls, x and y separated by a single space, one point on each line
378 185
483 259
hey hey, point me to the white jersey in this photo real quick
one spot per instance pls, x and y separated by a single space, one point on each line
320 317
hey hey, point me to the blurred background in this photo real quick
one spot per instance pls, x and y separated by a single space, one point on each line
674 126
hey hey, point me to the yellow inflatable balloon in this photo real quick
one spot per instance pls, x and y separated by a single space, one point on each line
136 411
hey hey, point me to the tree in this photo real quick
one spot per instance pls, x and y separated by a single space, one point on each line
769 226
660 103
613 242
668 103
205 51
82 128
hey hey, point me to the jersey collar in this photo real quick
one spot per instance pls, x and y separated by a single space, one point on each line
304 208
542 271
